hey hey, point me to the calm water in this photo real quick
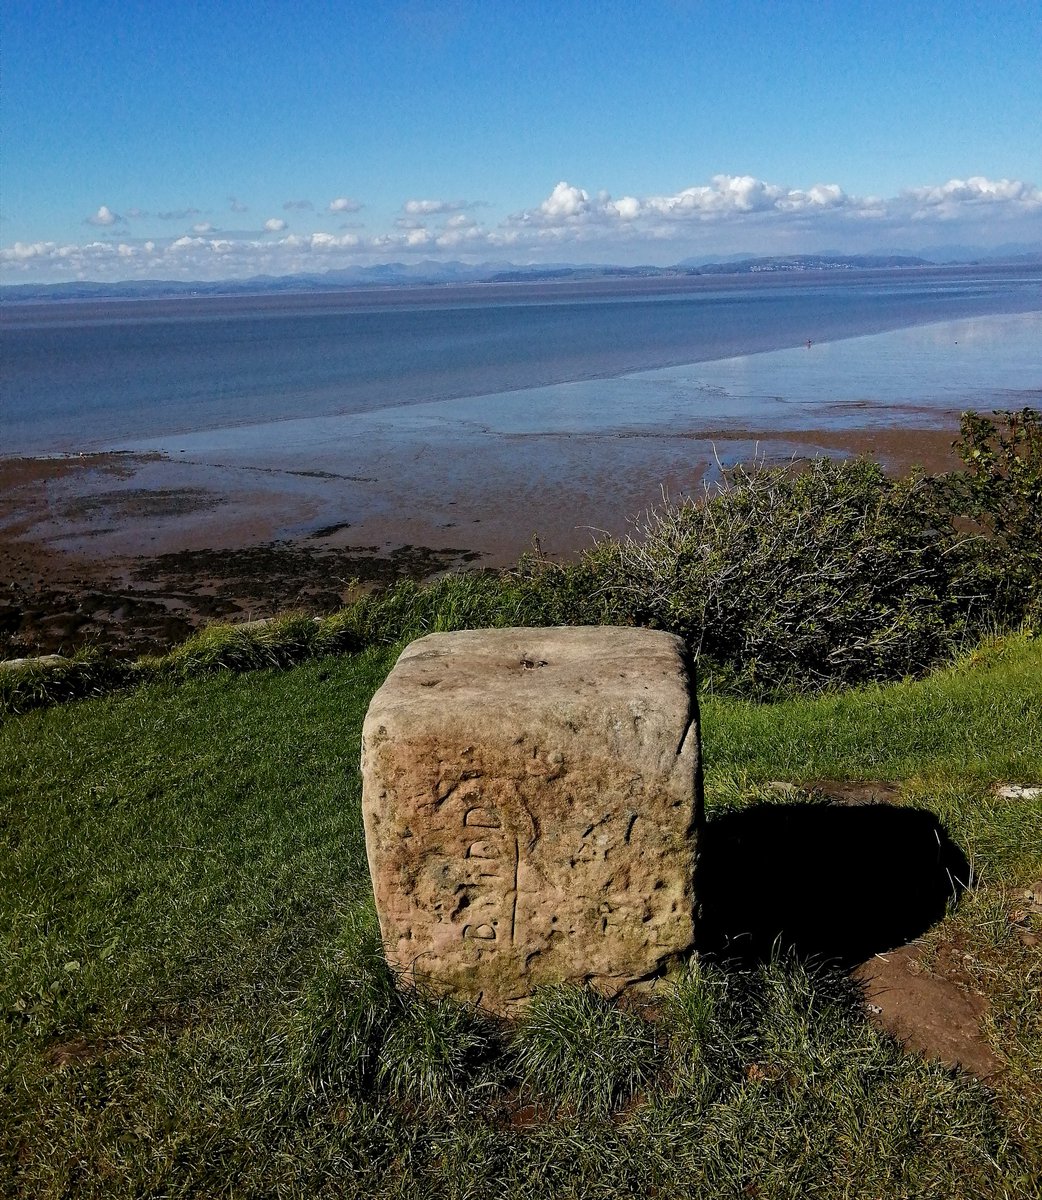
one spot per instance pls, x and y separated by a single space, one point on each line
82 377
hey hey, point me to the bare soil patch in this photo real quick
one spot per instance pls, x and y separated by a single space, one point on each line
933 1012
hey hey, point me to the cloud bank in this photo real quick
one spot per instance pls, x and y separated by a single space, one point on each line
729 214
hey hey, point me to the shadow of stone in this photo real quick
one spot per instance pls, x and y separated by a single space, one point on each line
823 882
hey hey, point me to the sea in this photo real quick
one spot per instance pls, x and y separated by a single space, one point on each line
261 374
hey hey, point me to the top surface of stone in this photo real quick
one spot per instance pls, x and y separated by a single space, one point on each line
41 660
531 807
521 667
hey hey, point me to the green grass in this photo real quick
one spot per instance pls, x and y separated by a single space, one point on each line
948 739
981 719
193 1002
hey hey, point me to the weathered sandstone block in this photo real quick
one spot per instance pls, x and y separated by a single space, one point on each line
532 802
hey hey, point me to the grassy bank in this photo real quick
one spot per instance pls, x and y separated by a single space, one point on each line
193 1003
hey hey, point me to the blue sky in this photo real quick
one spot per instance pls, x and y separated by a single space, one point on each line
219 140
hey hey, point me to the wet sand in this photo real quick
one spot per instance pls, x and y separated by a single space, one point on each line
134 551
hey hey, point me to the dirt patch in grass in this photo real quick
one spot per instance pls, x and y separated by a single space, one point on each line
1026 917
853 792
933 1012
76 1051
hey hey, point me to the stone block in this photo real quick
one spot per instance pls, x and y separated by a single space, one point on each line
532 801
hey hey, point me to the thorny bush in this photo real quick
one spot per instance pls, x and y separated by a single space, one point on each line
1000 496
830 574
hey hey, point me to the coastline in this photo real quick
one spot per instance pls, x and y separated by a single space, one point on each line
134 552
135 543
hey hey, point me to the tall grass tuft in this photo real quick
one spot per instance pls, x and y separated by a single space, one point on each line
359 1033
279 642
702 1014
37 683
345 1014
440 1055
579 1050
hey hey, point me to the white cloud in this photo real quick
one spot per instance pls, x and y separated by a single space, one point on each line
344 204
104 216
27 251
460 236
565 201
179 214
434 208
297 206
235 205
627 207
330 242
730 213
724 196
950 200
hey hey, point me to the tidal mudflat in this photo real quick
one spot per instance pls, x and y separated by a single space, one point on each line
249 517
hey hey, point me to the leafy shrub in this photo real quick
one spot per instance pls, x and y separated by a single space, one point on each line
1000 495
826 573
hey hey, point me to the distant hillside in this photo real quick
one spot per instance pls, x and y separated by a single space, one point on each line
430 273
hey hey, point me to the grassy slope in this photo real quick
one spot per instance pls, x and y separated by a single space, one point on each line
184 892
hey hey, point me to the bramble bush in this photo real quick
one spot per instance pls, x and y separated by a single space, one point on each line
999 495
822 573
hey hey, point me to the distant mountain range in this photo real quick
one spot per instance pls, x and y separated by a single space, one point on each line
431 273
